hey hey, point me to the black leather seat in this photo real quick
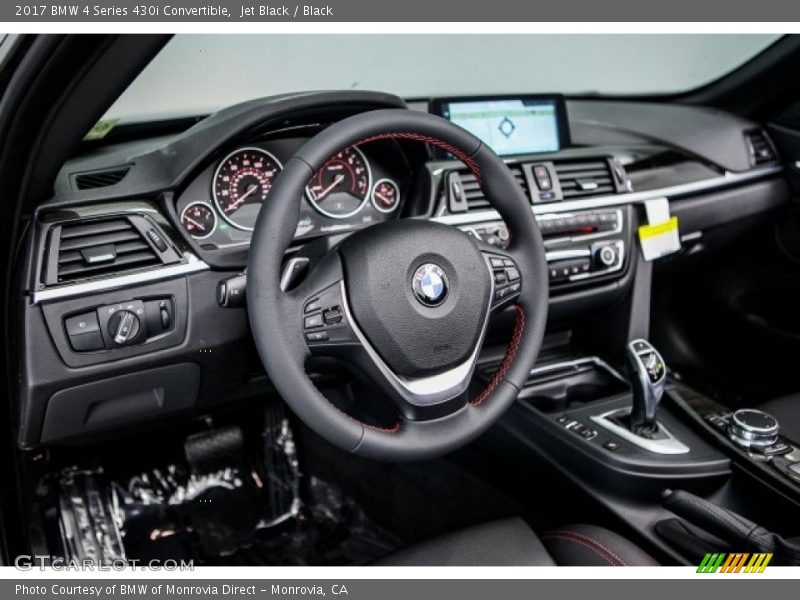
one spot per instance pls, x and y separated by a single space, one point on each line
510 542
787 411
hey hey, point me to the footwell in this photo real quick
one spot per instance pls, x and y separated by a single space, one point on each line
219 507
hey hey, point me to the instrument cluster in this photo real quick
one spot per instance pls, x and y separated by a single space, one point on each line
356 188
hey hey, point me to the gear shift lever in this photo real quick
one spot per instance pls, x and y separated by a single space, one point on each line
648 378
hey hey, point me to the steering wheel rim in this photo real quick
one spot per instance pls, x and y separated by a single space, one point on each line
276 316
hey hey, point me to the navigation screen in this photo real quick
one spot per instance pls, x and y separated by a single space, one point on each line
509 126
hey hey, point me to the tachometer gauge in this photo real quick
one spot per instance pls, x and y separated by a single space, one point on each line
385 195
199 220
341 187
242 182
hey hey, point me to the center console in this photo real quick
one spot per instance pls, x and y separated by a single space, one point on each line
674 465
607 426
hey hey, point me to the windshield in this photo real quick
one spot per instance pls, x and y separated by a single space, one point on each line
198 74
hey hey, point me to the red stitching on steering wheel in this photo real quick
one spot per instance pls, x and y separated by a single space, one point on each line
426 139
508 359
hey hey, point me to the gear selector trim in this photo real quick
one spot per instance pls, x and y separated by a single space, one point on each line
666 444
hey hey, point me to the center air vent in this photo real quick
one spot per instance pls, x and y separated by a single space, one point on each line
105 246
585 178
97 179
760 148
465 194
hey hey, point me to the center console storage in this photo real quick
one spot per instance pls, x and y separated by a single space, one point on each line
561 386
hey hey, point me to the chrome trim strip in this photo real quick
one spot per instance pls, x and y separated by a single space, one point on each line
567 254
669 445
113 283
690 237
705 185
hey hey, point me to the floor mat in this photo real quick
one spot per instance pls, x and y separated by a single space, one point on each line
331 529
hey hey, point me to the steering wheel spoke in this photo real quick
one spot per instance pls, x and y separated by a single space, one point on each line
330 329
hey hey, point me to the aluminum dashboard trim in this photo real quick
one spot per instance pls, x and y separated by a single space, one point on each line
706 185
120 281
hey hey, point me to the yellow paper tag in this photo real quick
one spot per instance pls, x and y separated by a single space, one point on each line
648 231
660 239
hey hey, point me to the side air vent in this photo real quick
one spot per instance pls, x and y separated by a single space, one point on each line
105 246
760 148
464 194
97 179
585 178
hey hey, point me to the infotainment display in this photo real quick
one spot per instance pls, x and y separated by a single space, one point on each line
510 125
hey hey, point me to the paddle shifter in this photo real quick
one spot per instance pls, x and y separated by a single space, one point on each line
648 377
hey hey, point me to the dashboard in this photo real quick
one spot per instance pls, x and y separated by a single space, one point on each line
133 279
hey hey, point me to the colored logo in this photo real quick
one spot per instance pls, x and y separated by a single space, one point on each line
430 284
737 562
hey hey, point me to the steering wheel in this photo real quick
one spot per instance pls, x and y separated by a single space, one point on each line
405 302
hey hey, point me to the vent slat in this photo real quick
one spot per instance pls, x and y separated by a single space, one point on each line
99 240
584 178
97 179
473 194
71 231
138 258
581 166
124 248
760 148
102 247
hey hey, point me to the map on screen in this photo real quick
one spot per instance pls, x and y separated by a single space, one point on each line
509 126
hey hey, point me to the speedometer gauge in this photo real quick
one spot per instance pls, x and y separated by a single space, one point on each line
341 187
241 183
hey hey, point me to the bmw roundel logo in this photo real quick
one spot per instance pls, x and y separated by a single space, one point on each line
430 284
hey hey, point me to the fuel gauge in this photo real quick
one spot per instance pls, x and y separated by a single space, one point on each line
199 220
385 195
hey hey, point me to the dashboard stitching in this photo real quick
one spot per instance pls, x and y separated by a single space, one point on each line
511 353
